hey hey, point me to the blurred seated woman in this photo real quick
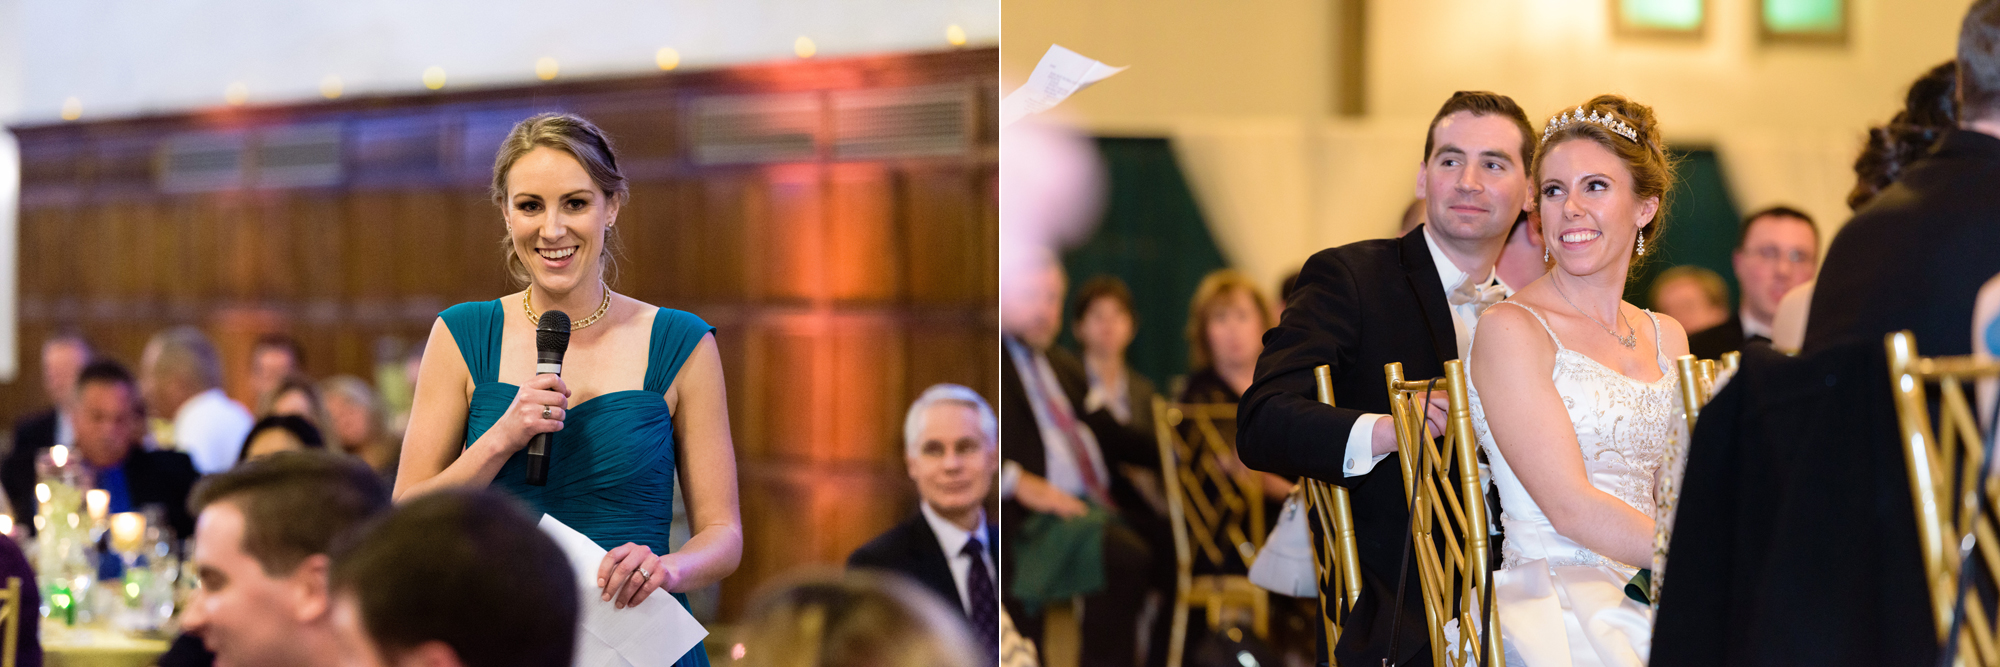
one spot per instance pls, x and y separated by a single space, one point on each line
1225 331
280 433
1104 324
865 618
357 421
298 396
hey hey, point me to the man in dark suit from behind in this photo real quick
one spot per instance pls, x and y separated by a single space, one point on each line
951 443
63 358
1414 300
110 422
1776 250
1915 256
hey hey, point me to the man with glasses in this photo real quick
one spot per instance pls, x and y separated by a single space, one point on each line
1777 250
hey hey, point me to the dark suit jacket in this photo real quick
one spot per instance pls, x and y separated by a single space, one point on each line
1795 541
911 549
164 478
32 434
1915 257
1357 307
1712 342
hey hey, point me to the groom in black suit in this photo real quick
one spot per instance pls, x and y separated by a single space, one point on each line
1413 300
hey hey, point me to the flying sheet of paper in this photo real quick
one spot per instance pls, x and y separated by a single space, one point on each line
657 632
1060 74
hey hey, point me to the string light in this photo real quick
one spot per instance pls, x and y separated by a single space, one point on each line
667 58
72 109
804 47
547 68
330 87
434 77
236 94
954 34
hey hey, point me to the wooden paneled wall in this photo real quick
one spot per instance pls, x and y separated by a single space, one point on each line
841 287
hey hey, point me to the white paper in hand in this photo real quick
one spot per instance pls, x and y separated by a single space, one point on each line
1060 74
656 632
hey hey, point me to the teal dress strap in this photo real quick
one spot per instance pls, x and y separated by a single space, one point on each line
675 335
476 326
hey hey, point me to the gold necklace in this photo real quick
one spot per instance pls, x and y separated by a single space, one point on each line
573 326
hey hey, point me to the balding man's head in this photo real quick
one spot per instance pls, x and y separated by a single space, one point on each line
177 364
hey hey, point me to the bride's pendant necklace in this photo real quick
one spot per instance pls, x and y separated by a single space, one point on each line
1630 341
602 306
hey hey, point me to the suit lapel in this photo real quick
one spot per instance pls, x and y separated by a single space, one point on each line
933 568
1422 274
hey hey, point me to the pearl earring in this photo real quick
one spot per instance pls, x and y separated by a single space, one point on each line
1642 242
1545 253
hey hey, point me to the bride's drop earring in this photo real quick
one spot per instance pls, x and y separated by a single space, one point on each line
1545 254
1642 242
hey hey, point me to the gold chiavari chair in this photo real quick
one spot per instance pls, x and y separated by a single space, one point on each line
1214 513
1947 481
1448 525
10 621
1335 557
1697 383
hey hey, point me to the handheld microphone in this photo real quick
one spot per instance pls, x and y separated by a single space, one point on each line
551 341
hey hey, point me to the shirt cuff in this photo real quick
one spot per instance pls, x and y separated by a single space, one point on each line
1361 457
1010 476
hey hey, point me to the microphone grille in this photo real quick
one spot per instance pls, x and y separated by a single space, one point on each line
552 332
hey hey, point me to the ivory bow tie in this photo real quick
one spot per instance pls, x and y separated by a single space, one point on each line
1482 293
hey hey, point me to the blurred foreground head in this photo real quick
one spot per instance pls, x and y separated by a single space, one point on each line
459 577
1051 192
859 619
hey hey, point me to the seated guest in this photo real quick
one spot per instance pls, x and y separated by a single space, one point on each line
423 586
182 379
1776 250
950 441
110 424
863 619
359 424
1104 325
1692 295
1985 345
280 433
1058 463
1225 331
260 553
63 358
273 358
1523 259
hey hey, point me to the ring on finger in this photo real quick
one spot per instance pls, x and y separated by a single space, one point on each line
643 575
545 411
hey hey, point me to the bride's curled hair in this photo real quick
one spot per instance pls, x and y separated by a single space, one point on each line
1646 156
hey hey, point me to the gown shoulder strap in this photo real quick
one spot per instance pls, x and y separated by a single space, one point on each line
476 326
1659 346
675 335
1538 318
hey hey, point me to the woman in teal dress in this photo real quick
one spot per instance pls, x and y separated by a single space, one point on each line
640 398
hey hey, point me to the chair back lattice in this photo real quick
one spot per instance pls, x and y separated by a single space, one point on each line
1336 559
1448 524
1697 384
10 622
1215 513
1949 478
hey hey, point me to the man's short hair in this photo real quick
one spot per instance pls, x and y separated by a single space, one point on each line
913 424
186 352
1779 211
1709 281
108 371
280 341
1482 103
295 504
1105 286
468 568
69 336
1979 61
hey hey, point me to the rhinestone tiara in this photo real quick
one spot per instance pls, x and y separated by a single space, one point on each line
1606 120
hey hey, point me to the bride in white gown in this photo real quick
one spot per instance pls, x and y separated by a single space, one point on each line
1573 399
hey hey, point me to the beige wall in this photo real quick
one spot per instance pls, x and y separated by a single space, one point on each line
1246 96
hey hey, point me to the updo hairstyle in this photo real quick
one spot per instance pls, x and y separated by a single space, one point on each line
1646 157
582 140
